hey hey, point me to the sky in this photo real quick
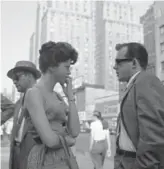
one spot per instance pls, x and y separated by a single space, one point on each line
18 23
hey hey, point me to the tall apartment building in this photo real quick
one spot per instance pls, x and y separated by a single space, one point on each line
41 8
32 53
93 28
153 24
159 39
148 21
72 21
121 25
99 49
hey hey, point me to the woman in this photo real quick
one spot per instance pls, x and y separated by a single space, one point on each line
47 114
100 141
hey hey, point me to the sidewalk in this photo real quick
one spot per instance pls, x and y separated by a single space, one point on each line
81 150
85 161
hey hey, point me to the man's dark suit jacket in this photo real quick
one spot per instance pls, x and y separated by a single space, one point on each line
142 113
7 109
10 110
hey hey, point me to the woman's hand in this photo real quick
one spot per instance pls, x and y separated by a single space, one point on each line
70 140
67 89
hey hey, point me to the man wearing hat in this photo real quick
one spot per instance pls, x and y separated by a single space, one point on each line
24 76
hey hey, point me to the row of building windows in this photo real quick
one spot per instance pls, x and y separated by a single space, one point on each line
78 6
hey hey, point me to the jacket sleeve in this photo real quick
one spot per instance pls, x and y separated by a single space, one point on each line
7 109
150 110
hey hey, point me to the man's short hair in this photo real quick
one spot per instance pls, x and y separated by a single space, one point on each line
135 51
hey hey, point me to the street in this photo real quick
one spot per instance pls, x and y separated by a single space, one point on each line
80 150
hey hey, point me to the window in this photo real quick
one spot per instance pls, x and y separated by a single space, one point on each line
71 5
161 30
162 47
162 66
85 6
158 13
76 6
57 4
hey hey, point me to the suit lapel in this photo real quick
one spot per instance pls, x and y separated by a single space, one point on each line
127 90
25 127
16 113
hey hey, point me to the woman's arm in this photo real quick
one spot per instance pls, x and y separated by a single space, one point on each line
91 137
34 103
73 117
108 141
91 141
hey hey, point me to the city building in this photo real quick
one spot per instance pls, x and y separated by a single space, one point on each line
7 94
85 99
93 28
32 56
41 8
108 105
71 21
153 24
148 21
99 42
159 39
121 25
13 93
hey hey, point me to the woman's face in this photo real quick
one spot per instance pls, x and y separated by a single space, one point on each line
62 71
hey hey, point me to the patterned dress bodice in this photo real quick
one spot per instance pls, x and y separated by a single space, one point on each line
56 112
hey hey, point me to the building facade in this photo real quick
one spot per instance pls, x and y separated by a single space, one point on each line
109 107
159 36
41 8
121 25
148 21
93 28
85 99
32 53
71 21
153 24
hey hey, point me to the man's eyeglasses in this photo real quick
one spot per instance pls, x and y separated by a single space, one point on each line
119 61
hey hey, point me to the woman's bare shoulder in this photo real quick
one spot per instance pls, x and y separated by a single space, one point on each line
33 95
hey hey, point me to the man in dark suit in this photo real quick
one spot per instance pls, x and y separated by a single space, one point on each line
24 76
140 134
7 109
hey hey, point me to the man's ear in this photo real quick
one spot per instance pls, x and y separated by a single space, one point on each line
134 63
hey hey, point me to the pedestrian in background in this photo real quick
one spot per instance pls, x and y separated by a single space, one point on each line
100 143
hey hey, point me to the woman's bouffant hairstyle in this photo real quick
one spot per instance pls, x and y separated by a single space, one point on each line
52 54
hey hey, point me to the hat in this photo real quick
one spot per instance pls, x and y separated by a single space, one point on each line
24 65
